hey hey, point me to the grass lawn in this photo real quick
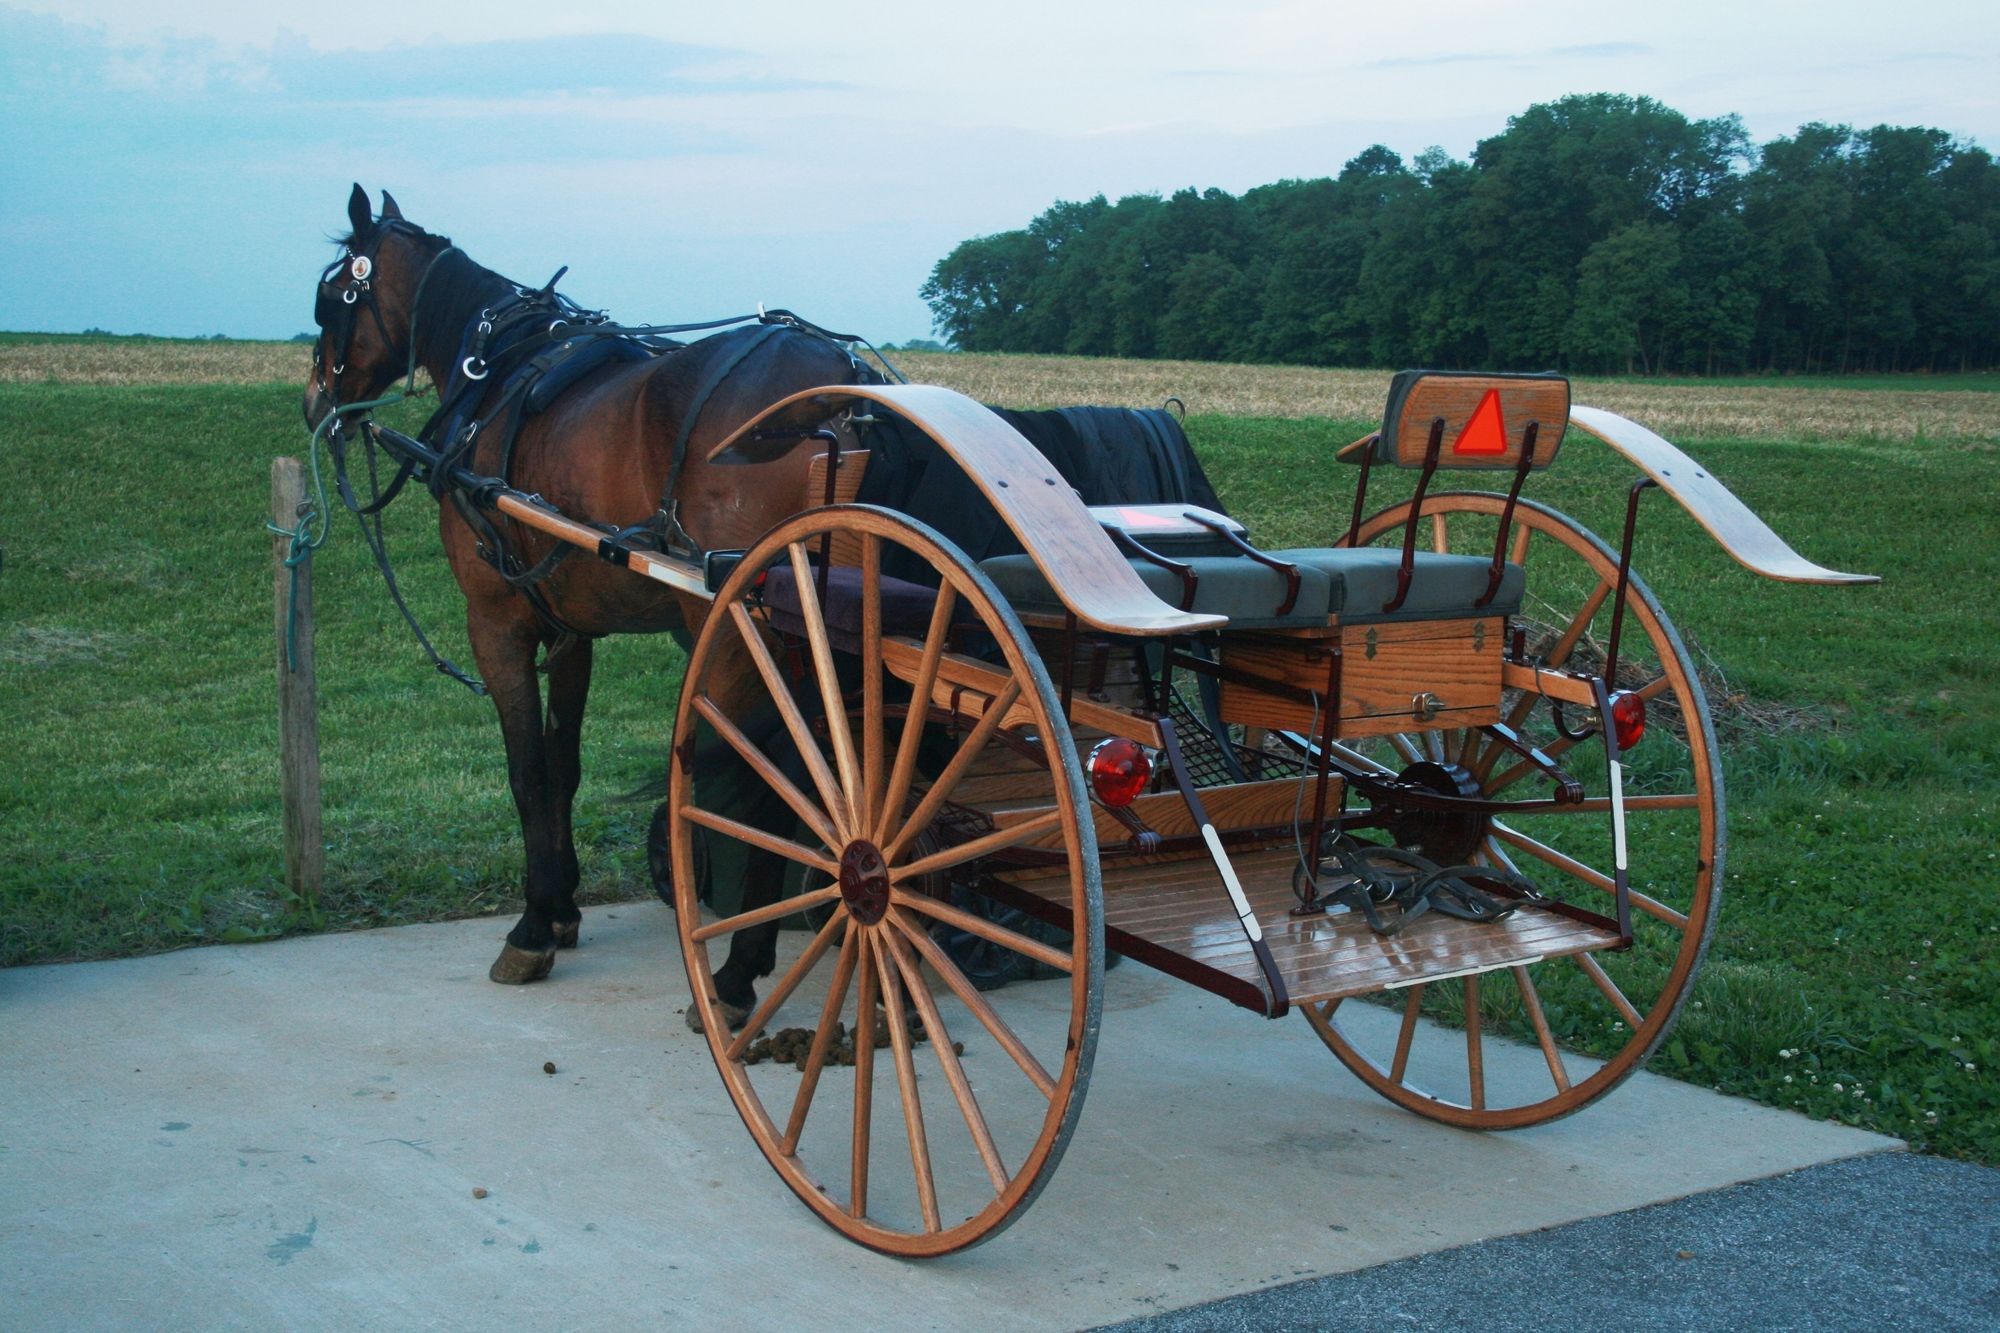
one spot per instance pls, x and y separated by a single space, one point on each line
1861 726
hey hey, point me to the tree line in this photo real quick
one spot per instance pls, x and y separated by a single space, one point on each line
1596 233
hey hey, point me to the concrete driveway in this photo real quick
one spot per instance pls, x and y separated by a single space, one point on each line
291 1135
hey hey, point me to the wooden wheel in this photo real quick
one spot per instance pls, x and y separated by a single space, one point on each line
809 681
1595 1017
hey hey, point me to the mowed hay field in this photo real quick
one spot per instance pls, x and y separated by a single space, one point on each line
1853 973
1958 408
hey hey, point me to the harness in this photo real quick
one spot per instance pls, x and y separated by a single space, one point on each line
535 344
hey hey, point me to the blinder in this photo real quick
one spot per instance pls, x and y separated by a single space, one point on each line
337 306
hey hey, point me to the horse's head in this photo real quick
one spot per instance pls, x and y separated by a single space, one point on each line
364 306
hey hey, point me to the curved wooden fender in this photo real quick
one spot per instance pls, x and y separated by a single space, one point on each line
1745 536
1086 571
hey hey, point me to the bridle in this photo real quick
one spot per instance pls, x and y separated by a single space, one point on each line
337 308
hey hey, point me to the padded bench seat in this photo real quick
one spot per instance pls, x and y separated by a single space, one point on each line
1334 582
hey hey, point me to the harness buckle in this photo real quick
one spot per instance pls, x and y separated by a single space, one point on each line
466 368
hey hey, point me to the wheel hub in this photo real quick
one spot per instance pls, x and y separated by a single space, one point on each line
864 881
1448 837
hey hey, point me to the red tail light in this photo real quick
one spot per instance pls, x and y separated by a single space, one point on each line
1119 770
1628 714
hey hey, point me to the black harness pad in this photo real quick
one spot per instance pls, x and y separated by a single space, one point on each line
593 354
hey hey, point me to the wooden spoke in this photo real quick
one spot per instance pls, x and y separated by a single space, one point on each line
984 929
1569 865
1407 748
837 727
954 1073
1440 539
975 1003
795 722
836 996
874 776
898 789
1407 1032
1672 835
1013 836
760 763
975 741
1469 741
864 1076
1475 1053
784 907
1595 971
1532 1002
1360 760
859 784
786 985
756 837
1565 645
906 1082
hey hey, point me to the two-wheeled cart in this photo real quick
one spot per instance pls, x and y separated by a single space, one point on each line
1445 786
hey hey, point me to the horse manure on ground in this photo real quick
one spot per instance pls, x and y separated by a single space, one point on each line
793 1046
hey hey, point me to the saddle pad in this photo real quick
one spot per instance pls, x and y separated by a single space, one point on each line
589 355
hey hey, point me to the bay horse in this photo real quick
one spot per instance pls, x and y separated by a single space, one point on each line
603 450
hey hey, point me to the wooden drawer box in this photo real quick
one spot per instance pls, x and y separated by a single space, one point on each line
1385 671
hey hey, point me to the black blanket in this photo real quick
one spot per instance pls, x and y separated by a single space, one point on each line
1111 455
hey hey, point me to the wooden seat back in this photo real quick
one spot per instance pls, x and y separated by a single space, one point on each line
1485 418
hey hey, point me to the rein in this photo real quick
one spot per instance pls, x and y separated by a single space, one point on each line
524 338
304 541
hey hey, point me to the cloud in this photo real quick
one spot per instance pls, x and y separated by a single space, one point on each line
597 64
42 56
1591 51
1454 58
1603 50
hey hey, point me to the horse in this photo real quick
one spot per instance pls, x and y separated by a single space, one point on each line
609 447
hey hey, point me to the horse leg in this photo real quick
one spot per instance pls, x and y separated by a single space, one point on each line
506 658
562 741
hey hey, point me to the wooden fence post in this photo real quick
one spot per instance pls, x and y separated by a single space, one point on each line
298 709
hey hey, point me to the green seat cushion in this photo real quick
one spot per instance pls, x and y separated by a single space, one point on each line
1225 585
1351 584
1362 581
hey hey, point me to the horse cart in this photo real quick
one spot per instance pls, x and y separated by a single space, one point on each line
1445 784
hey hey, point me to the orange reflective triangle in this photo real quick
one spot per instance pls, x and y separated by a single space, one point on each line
1486 433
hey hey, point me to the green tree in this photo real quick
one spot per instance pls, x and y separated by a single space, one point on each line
1629 292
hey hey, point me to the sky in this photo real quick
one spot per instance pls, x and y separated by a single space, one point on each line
180 169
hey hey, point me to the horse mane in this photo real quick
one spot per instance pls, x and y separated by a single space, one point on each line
457 289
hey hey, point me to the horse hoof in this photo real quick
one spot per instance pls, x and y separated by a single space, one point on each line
566 934
735 1015
518 967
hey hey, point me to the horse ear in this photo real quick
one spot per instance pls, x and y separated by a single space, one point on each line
359 215
389 209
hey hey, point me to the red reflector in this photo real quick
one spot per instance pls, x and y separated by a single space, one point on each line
1628 714
1119 770
1486 433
